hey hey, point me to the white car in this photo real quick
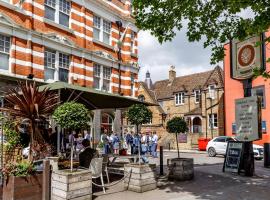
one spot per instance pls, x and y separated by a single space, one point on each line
218 146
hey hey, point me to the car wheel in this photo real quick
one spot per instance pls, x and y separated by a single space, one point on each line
212 152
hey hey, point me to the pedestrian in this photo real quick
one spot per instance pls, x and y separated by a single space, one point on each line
129 141
105 142
148 141
115 143
79 140
136 143
144 148
87 135
154 144
86 154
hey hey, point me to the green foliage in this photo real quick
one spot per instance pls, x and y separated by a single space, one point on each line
19 169
214 22
71 115
177 125
139 114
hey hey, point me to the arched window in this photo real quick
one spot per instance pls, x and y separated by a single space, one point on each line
141 98
107 122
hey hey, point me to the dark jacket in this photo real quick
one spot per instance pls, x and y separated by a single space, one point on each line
86 156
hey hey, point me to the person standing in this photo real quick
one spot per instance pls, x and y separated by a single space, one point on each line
105 141
87 135
144 148
115 143
154 145
149 142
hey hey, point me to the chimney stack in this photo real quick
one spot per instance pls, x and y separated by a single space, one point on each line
172 73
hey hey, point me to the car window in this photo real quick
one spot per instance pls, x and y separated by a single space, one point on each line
220 139
229 139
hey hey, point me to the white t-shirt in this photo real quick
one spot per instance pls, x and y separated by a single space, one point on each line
154 139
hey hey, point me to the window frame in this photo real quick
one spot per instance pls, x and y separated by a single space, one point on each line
132 42
197 95
179 98
212 118
102 30
101 76
57 67
253 92
58 11
212 92
8 52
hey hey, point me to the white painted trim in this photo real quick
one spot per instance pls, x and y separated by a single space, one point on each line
81 14
34 16
40 6
122 86
126 78
81 24
26 63
116 7
81 66
80 76
83 36
27 51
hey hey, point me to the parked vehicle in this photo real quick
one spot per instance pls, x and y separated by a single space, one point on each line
218 146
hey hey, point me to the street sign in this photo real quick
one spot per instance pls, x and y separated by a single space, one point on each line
233 156
248 119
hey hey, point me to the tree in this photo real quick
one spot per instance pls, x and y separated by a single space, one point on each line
139 114
177 125
218 20
28 102
71 115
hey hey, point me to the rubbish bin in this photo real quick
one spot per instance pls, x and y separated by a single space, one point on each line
202 143
267 155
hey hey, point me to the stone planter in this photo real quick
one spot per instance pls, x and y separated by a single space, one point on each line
180 169
23 188
139 178
76 185
53 162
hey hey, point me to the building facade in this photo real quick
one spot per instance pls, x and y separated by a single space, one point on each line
234 89
89 43
196 97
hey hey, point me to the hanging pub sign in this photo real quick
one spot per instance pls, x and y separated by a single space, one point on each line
245 56
248 119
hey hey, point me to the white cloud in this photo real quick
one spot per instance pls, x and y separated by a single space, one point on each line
185 56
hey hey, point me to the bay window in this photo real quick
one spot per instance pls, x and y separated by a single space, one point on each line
56 66
58 11
102 77
4 52
102 30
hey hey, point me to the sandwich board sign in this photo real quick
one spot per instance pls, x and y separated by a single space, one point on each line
233 157
248 119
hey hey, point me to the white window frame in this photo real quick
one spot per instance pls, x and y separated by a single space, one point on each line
57 11
211 120
102 77
132 42
212 91
57 66
196 94
7 53
180 98
101 29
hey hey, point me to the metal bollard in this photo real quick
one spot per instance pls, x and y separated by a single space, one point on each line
161 160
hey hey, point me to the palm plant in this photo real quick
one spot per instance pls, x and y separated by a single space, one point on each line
28 102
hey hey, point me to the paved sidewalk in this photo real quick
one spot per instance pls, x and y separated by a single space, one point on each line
186 151
210 183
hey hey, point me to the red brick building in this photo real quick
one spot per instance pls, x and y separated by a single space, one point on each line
90 43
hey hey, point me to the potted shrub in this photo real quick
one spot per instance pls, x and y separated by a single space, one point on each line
27 102
179 168
69 183
142 177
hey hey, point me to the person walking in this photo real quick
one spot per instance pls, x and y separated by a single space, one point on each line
154 145
105 141
148 141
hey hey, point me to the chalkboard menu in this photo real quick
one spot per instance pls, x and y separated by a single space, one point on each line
233 156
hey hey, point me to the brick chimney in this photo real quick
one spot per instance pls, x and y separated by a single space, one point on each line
172 73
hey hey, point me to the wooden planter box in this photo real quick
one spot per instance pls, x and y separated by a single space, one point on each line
76 185
23 188
181 169
140 178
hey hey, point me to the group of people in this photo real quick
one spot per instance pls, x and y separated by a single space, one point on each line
145 142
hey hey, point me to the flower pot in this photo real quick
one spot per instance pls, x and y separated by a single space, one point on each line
71 185
139 178
181 169
23 188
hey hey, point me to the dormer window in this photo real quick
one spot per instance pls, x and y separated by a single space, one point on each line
179 98
212 89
